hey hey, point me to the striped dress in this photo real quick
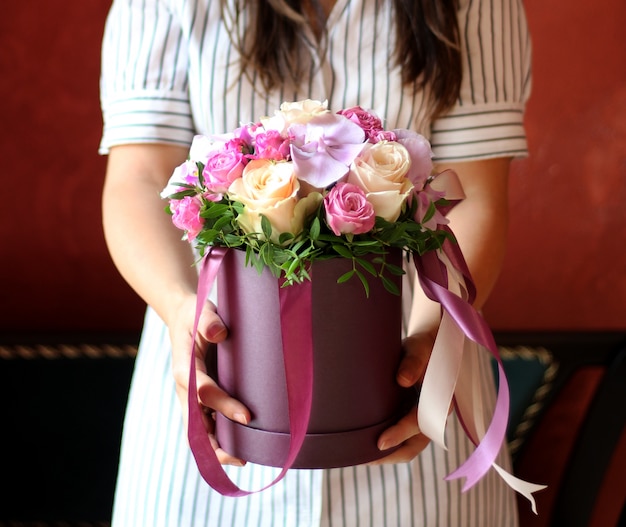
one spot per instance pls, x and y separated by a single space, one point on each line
169 71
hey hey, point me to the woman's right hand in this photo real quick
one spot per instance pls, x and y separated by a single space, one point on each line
211 397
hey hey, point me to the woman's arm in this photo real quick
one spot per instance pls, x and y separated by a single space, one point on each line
480 224
149 253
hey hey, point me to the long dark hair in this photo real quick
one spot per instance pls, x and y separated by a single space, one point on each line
427 44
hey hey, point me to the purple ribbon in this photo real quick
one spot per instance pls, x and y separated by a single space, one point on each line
296 329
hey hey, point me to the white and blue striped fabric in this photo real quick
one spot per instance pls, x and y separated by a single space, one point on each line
169 71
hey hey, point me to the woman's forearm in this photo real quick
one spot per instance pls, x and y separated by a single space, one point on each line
480 224
145 246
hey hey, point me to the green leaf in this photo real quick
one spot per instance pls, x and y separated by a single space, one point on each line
222 222
266 227
430 212
257 263
183 193
346 276
366 243
267 253
215 210
364 282
314 230
390 286
342 250
367 265
285 237
394 269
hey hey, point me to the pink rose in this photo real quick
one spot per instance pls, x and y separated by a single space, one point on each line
224 166
271 145
186 215
348 211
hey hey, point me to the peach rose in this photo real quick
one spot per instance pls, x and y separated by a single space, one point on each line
381 171
270 189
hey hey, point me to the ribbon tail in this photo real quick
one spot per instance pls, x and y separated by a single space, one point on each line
524 488
439 381
435 270
479 462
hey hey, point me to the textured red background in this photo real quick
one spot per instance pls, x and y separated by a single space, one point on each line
566 266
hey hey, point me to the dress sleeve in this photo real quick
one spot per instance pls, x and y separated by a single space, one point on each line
143 83
487 120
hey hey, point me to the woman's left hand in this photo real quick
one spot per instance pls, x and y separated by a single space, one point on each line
406 432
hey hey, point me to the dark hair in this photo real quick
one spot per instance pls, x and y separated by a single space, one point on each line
427 44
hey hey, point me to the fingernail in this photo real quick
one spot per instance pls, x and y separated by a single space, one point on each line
383 445
405 378
215 331
240 418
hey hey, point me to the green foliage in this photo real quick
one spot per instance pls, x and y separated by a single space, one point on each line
293 254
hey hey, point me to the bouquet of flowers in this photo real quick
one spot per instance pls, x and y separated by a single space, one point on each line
308 184
304 185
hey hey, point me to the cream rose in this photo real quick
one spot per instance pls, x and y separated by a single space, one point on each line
299 112
270 189
381 171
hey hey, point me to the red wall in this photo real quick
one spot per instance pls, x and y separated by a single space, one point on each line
55 271
566 266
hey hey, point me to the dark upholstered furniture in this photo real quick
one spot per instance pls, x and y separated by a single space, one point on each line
64 401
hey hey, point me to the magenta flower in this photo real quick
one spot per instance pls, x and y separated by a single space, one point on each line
271 145
370 123
186 215
323 149
246 133
348 211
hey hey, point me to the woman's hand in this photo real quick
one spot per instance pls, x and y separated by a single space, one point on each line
148 251
211 397
406 432
479 224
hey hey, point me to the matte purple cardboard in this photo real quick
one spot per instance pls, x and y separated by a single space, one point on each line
357 350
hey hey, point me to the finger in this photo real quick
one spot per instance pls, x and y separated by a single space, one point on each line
417 352
408 451
224 457
402 431
211 328
212 396
208 419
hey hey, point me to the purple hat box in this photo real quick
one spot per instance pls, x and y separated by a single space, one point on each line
356 352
